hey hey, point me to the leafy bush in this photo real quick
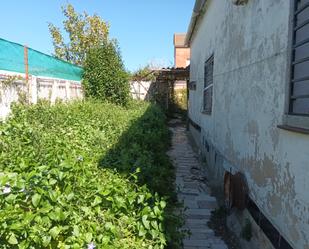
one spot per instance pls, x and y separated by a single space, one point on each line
53 194
180 99
104 75
143 146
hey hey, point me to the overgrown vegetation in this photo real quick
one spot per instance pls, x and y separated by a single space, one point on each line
180 99
104 76
178 103
89 46
86 174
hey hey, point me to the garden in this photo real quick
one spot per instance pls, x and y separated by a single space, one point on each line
87 174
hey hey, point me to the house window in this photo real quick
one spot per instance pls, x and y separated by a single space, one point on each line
208 85
299 89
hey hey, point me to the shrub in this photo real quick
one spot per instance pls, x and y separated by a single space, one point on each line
104 75
53 194
180 99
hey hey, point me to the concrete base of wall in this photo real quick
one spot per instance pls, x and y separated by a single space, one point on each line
215 166
214 162
237 221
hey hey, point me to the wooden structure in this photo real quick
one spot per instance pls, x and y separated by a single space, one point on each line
163 89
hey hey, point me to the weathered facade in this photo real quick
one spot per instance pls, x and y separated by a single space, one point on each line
239 103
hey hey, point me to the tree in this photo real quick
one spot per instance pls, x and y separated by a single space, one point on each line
104 74
84 32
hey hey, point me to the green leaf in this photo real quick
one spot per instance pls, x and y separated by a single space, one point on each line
54 232
75 231
70 196
162 204
109 226
10 198
154 224
105 192
16 226
57 214
140 198
46 240
13 240
145 221
52 181
36 198
97 201
156 210
88 237
53 195
141 231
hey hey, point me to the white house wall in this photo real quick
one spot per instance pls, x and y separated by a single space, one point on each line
251 60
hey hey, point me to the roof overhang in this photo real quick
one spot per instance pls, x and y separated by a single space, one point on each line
179 73
164 74
197 12
179 40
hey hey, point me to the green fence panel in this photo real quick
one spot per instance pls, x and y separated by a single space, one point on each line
40 64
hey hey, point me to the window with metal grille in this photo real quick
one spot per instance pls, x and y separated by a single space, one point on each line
299 91
208 85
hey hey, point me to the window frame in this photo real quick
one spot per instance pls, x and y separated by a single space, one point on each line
293 61
291 121
208 86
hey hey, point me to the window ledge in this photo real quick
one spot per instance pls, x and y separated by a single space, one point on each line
294 123
206 113
294 129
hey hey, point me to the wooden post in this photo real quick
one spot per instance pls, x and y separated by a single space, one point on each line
27 71
68 89
54 94
34 90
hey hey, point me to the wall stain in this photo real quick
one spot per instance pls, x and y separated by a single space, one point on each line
274 204
263 171
249 84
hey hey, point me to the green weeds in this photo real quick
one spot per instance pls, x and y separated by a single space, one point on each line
86 173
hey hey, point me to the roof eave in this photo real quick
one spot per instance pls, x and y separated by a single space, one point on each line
198 7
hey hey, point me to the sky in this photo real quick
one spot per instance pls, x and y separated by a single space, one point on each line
143 28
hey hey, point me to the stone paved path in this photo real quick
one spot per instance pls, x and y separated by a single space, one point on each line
193 191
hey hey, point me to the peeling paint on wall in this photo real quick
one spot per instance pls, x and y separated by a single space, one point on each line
250 46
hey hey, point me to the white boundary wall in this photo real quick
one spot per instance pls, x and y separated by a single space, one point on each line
38 88
140 89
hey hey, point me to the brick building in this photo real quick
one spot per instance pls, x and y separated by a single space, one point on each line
181 57
181 51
